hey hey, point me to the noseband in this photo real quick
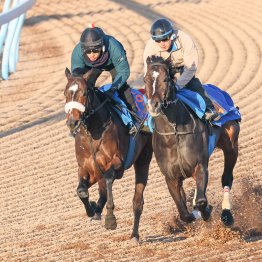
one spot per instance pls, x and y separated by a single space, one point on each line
86 110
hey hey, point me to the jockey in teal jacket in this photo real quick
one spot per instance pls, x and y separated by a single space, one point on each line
102 52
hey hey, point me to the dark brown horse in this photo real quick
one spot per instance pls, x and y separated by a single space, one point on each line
101 146
180 143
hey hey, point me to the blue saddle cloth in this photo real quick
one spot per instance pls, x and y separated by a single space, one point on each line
125 116
220 97
140 101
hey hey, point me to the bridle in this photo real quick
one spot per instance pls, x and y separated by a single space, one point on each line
86 110
166 101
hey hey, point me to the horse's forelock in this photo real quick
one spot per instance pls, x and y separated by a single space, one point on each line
157 60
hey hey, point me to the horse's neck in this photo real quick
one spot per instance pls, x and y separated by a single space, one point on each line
97 123
179 116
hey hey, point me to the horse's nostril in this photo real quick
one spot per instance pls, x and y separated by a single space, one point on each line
156 104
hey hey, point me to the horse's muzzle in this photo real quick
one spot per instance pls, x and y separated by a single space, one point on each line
153 108
74 126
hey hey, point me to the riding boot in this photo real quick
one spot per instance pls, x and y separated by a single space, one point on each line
127 97
211 114
195 85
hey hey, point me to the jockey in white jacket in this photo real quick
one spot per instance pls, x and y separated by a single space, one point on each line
168 42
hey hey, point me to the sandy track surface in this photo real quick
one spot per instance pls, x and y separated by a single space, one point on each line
41 217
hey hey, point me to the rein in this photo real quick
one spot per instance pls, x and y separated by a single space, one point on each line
93 111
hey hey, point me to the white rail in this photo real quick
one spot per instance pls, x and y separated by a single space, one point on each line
11 22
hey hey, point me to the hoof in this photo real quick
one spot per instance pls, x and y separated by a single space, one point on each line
90 212
189 218
134 241
90 209
197 214
207 213
96 217
227 218
110 222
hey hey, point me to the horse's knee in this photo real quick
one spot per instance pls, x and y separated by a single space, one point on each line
82 192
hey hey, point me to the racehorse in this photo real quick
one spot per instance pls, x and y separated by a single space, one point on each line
180 143
101 147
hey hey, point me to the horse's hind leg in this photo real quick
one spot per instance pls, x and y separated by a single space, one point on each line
228 142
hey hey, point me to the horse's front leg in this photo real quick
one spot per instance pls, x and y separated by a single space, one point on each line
175 188
110 219
201 175
82 192
99 206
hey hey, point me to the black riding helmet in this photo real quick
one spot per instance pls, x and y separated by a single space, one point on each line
161 29
92 38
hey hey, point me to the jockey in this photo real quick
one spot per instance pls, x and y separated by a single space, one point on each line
168 42
102 52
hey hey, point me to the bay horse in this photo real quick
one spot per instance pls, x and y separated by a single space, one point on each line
101 147
180 143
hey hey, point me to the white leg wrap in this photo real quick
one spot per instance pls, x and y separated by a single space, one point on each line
194 199
196 213
226 204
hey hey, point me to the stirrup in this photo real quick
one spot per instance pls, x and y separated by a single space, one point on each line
132 130
212 115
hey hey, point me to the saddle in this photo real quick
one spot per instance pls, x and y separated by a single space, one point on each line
141 119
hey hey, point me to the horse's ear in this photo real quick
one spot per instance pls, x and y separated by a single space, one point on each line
148 60
87 74
67 73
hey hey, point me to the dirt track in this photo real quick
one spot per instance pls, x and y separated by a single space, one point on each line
42 219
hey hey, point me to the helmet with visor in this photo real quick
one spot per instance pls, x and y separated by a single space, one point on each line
161 30
92 39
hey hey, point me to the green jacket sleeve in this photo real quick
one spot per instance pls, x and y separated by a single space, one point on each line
119 60
77 60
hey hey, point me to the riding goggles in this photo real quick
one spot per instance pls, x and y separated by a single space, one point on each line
95 51
162 40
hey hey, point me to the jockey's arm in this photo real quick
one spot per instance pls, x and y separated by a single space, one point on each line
190 61
121 66
77 61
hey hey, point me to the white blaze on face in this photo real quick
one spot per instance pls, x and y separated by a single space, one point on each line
73 88
155 75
